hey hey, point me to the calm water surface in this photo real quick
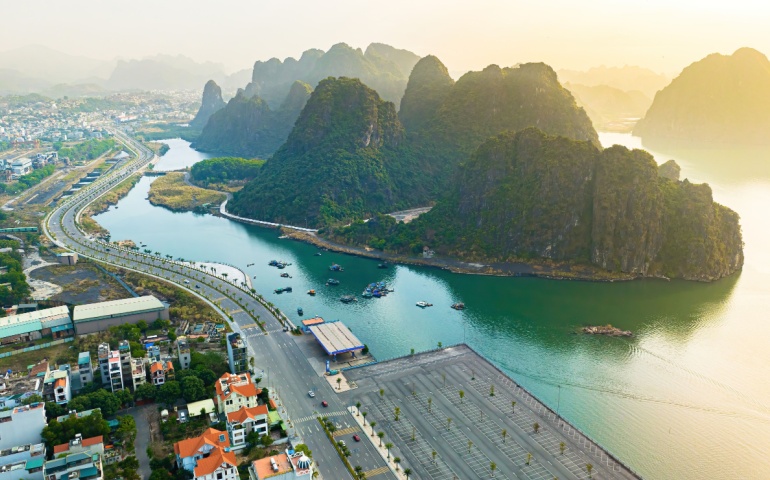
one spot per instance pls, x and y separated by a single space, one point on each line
686 398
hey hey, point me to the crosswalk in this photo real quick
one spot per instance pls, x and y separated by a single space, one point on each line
314 417
345 431
376 471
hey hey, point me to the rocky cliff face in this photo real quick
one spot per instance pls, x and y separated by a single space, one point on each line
248 127
336 163
429 84
721 99
210 103
670 170
532 196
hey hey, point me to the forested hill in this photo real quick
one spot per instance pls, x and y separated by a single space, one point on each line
533 197
248 127
338 162
381 67
211 103
721 99
447 121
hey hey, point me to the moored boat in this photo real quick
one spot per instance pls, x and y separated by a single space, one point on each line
332 281
347 298
423 304
300 311
311 293
458 306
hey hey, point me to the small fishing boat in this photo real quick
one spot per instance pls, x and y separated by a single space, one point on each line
458 306
332 281
278 291
383 265
285 275
367 294
336 268
317 254
347 298
281 266
422 304
273 263
311 293
300 311
287 289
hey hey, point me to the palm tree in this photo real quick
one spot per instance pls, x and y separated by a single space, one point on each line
358 408
491 390
430 402
589 469
396 412
388 446
448 423
339 383
433 454
529 457
536 426
407 472
513 407
382 394
373 424
470 445
364 414
493 467
505 434
562 446
397 460
462 395
315 474
413 432
358 469
380 434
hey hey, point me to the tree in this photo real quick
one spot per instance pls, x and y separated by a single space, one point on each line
430 402
562 446
462 395
32 399
126 431
448 423
380 434
382 393
146 391
193 389
388 446
339 383
266 440
397 460
440 344
108 402
169 393
492 468
491 390
301 447
373 424
433 454
397 413
529 458
358 409
536 427
589 469
470 445
407 472
505 434
142 325
364 414
513 407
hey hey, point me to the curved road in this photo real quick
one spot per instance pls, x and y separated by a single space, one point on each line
273 351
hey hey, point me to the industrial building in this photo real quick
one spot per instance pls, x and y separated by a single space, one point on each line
26 327
97 317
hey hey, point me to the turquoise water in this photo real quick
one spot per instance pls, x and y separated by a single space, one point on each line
685 398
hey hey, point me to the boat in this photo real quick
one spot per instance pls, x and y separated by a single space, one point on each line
336 268
383 265
273 263
332 281
422 304
347 298
367 294
458 306
281 265
311 293
300 311
278 291
317 254
287 289
285 275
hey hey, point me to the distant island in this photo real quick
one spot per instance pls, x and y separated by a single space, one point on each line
719 100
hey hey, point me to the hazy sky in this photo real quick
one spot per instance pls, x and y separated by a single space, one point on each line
664 35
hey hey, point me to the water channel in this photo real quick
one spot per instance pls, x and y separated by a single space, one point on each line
685 398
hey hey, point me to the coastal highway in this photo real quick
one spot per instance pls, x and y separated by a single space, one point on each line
275 352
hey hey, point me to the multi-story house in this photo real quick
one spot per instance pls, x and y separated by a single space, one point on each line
161 372
183 349
56 387
236 391
86 465
237 355
242 422
207 457
22 425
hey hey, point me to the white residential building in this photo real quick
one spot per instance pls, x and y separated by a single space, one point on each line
22 425
244 421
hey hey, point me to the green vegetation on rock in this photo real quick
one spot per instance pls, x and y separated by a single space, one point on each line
248 127
172 192
224 170
721 99
532 197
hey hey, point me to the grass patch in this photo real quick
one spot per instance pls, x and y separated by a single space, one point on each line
172 192
112 197
18 363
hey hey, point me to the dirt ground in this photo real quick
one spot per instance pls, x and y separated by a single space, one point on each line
83 283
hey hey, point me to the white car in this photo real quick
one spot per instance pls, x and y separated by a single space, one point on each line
311 394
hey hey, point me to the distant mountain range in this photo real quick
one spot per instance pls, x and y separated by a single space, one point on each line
38 69
626 78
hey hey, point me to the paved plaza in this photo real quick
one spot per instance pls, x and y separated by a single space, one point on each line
466 433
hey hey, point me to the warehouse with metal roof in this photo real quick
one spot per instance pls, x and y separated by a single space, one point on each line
336 338
30 326
96 317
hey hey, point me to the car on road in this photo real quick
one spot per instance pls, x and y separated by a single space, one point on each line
197 286
325 403
187 281
356 438
311 394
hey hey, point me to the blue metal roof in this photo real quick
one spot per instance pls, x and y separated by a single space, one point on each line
20 328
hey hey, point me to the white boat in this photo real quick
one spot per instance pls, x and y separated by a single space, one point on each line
422 304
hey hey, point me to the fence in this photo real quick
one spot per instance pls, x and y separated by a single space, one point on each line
37 347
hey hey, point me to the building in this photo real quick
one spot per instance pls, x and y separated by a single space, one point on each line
236 391
285 466
183 350
109 364
126 364
203 406
67 258
75 413
24 462
160 372
153 353
21 166
82 466
22 425
96 317
336 338
29 326
242 422
237 356
83 373
207 457
80 445
138 373
56 386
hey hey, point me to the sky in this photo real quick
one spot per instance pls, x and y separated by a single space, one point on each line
661 35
